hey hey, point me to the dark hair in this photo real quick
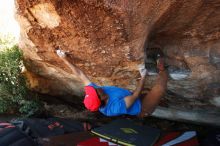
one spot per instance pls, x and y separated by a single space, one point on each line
102 103
99 96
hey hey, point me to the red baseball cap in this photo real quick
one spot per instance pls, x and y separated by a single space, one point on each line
91 100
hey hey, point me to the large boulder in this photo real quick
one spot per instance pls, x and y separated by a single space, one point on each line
107 39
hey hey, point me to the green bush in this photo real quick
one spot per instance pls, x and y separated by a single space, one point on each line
14 95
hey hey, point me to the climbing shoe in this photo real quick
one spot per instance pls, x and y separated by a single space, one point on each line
154 60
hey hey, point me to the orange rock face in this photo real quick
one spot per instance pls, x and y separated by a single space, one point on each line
106 39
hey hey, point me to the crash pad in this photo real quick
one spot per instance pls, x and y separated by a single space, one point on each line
178 138
127 132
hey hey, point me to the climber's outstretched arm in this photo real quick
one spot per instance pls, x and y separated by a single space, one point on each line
129 100
74 69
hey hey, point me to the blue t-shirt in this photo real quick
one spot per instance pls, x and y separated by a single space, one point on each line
116 105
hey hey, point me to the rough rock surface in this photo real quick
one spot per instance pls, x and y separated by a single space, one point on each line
106 39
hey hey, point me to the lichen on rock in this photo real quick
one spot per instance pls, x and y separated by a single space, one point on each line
46 15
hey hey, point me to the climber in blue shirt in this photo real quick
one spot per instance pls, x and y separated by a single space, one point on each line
115 101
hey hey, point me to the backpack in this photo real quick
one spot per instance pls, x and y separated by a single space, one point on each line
44 128
10 135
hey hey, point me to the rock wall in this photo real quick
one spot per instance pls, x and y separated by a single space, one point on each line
106 39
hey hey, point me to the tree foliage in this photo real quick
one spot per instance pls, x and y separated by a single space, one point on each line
14 95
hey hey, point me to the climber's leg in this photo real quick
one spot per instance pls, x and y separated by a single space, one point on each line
151 100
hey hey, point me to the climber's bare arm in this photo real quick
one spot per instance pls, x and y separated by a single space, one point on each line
75 69
129 100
